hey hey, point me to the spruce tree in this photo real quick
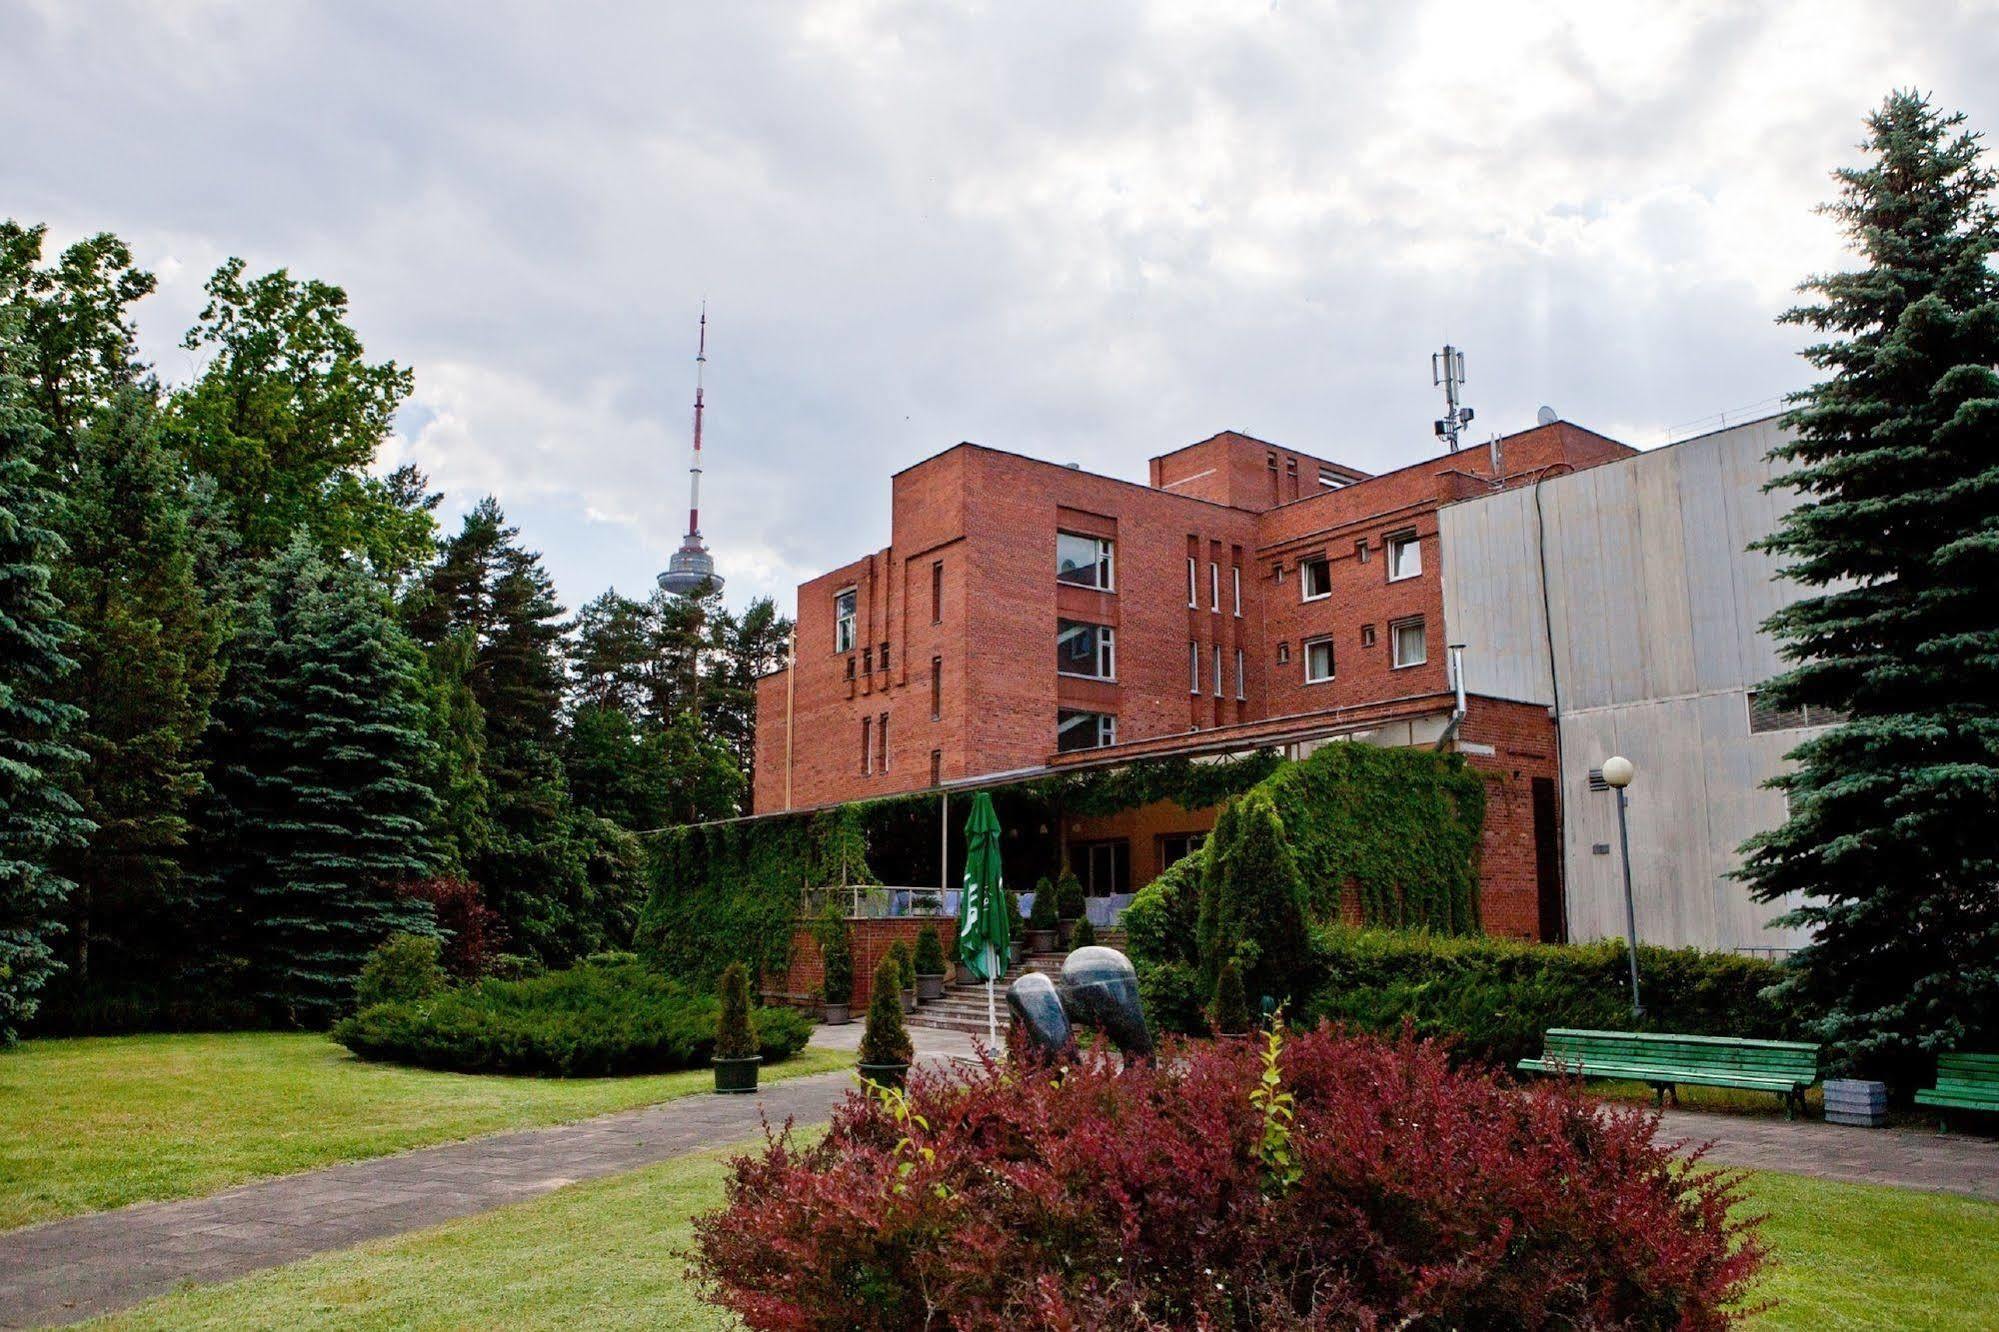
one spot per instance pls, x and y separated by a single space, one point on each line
146 675
320 808
1252 903
1891 851
38 817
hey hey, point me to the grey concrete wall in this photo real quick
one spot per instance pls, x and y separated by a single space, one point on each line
1654 603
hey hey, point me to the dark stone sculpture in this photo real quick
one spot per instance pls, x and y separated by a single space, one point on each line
1098 988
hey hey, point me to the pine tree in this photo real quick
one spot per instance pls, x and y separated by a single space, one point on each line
319 809
146 675
1252 903
38 818
1891 850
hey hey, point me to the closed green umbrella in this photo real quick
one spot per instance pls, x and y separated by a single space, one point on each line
984 933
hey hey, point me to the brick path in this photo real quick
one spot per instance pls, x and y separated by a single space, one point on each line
69 1270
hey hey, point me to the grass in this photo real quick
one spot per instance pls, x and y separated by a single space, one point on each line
97 1123
608 1254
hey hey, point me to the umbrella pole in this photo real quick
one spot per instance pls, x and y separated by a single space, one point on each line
992 1022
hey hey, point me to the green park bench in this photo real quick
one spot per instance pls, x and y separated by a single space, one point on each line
1665 1062
1964 1082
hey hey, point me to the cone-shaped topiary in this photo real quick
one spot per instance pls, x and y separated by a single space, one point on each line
733 1037
1041 916
886 1040
1084 935
929 952
1231 1008
1252 903
836 949
905 965
1069 896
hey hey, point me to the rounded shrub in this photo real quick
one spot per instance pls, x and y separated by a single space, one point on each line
402 967
885 1040
929 952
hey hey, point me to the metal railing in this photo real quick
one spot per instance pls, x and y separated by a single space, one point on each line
874 901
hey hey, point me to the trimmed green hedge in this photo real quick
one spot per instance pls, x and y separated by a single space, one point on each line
1495 997
592 1020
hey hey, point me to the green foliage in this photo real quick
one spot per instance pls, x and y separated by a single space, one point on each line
1231 1010
1278 1111
1084 935
1888 854
515 966
38 817
1252 903
1495 997
587 1021
402 968
836 950
1161 921
929 952
1068 895
885 1040
1173 996
905 963
733 1039
1043 915
315 815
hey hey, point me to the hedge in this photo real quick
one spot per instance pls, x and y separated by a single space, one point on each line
592 1020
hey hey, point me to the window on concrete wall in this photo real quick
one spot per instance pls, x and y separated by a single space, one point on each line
1193 667
844 603
936 591
1405 556
1076 729
1318 660
1315 578
1767 717
1085 561
1085 649
867 745
936 689
1407 641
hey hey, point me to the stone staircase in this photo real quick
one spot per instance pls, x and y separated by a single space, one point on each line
963 1007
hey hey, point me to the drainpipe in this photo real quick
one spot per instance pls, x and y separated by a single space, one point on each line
1457 667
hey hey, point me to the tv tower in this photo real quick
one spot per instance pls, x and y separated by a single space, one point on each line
692 565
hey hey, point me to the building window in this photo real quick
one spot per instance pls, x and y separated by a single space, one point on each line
1283 653
1218 670
937 591
884 656
1277 572
1240 694
1767 717
936 689
1405 556
1085 561
867 661
1193 596
1407 640
1318 660
1075 730
1214 586
1086 649
843 619
936 767
881 733
1360 550
867 745
1235 586
1193 667
1176 847
1104 868
1367 635
1330 479
850 668
1315 578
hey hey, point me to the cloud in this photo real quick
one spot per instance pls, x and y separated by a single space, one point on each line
1086 232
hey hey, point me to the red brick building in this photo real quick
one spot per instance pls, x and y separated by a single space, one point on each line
1028 616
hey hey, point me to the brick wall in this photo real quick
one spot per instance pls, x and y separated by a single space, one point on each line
1522 738
872 940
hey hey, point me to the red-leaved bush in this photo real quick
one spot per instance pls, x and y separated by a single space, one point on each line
1138 1198
471 928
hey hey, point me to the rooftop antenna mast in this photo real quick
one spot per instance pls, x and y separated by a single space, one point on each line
1447 369
691 566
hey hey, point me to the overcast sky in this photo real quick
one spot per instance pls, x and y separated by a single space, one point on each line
1088 232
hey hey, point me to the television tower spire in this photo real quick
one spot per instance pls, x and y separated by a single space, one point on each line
691 566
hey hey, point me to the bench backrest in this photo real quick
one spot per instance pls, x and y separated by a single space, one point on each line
1792 1059
1970 1071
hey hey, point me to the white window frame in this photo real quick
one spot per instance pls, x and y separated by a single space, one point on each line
1332 662
1193 587
1214 586
1235 584
1218 670
1403 541
1106 726
1106 561
1240 693
846 626
1395 628
1305 583
1193 666
1106 650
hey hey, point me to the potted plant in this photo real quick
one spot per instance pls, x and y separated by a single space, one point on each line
1068 902
885 1047
1041 919
735 1058
929 965
905 966
1231 1008
836 950
1083 936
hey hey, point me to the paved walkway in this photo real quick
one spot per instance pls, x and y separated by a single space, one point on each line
65 1271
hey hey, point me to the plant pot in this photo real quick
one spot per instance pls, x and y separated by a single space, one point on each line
836 1015
736 1075
1017 948
929 987
888 1075
909 1001
1041 941
1067 929
966 976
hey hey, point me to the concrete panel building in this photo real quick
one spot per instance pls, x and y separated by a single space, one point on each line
1625 598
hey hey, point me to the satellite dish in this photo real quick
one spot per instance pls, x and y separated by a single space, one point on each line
1546 416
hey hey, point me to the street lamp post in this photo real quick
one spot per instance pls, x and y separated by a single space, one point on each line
1617 774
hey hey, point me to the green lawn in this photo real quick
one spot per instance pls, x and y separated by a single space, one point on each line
607 1254
97 1123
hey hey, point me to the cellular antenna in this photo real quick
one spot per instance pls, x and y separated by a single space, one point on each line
1447 369
691 566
